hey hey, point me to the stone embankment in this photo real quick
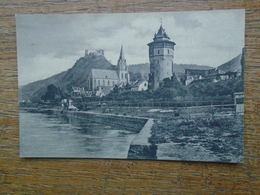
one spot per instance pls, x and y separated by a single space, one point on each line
140 148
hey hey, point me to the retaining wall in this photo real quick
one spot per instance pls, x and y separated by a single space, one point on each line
140 148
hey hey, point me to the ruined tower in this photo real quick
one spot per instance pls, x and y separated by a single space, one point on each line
161 54
122 68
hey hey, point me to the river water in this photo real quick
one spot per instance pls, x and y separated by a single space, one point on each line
50 135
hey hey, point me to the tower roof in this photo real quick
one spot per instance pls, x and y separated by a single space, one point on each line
161 34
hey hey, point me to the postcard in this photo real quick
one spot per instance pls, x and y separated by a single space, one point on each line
155 86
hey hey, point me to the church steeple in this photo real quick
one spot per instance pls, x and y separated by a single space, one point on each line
121 60
122 68
122 56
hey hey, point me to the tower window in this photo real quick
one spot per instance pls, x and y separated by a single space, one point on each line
126 75
158 51
122 75
168 51
98 82
103 82
108 83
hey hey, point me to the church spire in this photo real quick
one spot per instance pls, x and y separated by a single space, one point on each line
122 56
121 63
122 68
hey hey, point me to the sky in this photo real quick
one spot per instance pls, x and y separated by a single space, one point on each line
48 44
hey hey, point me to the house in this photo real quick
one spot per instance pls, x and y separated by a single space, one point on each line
239 102
102 91
210 75
140 86
78 91
194 74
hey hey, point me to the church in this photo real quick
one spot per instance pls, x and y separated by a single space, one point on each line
106 79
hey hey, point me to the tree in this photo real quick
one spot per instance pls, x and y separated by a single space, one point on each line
170 88
115 89
211 89
52 94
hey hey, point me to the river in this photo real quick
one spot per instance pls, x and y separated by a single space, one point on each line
60 136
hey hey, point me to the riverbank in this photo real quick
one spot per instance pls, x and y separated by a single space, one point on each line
202 133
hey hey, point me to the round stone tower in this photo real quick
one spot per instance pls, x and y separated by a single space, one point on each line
161 54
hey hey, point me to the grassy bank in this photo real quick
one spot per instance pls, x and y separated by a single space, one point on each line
221 136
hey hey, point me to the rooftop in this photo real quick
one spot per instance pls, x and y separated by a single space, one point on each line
104 74
161 35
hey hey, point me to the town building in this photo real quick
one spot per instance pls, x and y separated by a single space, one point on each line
210 75
161 55
102 91
80 92
197 74
239 102
139 86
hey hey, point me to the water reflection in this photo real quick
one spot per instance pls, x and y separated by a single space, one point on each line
50 135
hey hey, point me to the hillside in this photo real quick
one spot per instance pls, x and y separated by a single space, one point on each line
234 65
139 68
75 76
37 89
180 68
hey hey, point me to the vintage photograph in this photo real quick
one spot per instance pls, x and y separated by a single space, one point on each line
155 86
